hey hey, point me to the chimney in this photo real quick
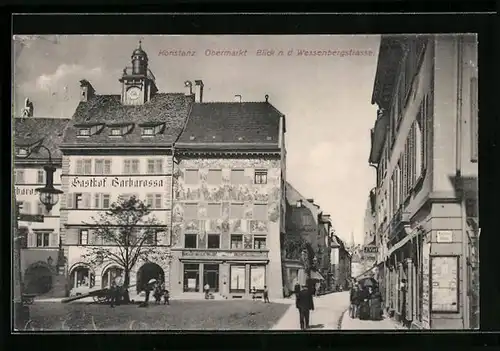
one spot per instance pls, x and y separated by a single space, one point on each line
311 200
189 87
198 90
87 90
237 98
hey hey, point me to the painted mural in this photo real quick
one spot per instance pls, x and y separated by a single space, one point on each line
245 192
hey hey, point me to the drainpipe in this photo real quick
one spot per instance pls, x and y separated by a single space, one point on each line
464 286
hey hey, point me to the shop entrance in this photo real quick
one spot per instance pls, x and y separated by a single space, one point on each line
211 276
38 279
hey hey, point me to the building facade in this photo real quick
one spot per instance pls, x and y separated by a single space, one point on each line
40 250
340 259
306 224
115 147
424 145
228 209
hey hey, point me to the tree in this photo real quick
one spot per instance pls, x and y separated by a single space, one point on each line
128 233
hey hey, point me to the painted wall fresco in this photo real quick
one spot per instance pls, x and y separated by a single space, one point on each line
226 193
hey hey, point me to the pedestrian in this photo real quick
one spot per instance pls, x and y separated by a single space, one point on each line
112 294
403 289
147 291
376 313
266 294
304 303
354 295
118 289
254 293
364 307
206 289
157 292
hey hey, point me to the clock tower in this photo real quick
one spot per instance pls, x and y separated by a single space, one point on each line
138 82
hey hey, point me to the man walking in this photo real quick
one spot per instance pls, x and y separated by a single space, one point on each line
304 303
266 294
354 296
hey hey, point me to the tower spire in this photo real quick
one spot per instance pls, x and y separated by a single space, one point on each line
352 239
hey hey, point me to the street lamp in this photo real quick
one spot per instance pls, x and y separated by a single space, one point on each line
49 196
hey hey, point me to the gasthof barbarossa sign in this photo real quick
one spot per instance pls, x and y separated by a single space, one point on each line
115 182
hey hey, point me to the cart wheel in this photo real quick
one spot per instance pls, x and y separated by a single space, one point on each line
102 299
95 298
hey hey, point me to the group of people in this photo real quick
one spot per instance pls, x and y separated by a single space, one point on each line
265 294
157 287
366 302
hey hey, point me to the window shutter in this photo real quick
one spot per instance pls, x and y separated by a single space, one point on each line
71 200
54 239
474 120
30 239
418 150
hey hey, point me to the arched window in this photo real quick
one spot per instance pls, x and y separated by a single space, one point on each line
109 275
82 276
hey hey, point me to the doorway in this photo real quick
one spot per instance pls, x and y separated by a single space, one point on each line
211 276
38 279
147 272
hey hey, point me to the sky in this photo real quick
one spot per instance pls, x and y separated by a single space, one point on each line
326 99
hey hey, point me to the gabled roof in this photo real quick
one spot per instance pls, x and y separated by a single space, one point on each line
171 109
50 131
226 124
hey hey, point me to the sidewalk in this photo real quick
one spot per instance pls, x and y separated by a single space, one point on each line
326 315
387 323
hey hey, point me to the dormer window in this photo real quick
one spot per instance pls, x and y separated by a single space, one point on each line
152 129
84 132
148 131
116 132
87 129
120 129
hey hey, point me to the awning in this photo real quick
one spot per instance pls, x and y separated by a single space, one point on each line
316 276
402 242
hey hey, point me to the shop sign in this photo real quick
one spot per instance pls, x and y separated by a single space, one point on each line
444 236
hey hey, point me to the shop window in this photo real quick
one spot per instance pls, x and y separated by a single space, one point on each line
191 277
238 279
257 277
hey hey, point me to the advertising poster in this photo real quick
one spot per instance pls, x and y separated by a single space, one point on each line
426 250
258 277
444 284
192 283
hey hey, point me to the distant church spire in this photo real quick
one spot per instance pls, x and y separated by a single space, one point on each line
352 239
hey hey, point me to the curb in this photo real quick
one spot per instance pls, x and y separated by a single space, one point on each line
339 322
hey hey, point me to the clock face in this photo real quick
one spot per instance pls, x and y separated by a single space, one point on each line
133 93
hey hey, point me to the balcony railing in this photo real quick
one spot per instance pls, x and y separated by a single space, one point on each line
400 219
128 71
222 254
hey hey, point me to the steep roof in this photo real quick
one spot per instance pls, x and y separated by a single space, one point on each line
238 124
169 108
50 131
